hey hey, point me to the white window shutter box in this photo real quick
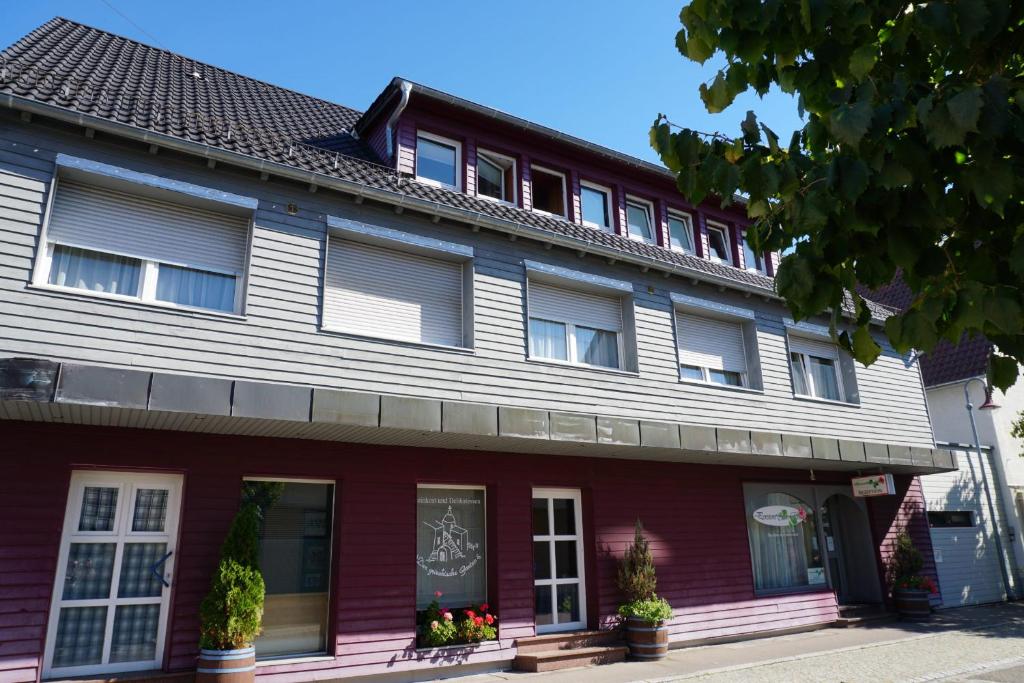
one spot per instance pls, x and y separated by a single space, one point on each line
378 292
710 343
106 220
813 347
581 308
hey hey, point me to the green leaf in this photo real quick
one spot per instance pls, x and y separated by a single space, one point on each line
718 96
1003 312
965 108
661 141
805 15
1002 371
751 134
865 348
991 183
893 175
918 331
862 61
894 331
697 50
849 123
795 279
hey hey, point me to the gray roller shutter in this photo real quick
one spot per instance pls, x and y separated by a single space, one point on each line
379 292
580 308
710 343
115 222
813 347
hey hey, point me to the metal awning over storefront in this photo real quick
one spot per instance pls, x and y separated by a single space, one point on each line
47 391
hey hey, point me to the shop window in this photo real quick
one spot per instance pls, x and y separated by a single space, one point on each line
680 232
951 518
718 243
548 191
295 560
496 176
596 202
438 161
451 546
784 546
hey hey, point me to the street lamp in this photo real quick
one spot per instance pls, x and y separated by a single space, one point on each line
988 404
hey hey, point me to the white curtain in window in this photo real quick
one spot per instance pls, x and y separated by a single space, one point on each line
597 347
823 371
96 272
783 545
199 288
547 340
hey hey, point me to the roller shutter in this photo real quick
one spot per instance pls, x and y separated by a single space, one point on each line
710 343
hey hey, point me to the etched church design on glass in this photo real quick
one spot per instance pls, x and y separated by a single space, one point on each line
450 540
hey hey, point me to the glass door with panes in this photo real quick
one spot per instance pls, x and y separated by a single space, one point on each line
558 587
111 594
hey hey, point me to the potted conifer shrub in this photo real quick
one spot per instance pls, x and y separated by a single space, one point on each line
644 612
910 589
231 614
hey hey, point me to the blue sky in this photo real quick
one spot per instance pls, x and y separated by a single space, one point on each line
600 70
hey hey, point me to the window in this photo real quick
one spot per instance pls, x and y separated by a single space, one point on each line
718 243
438 160
751 259
451 545
711 350
112 243
640 219
815 367
389 293
574 326
495 176
596 205
951 518
784 547
295 560
559 589
680 232
548 191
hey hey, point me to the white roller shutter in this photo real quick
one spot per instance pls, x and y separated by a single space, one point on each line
710 343
116 222
581 308
381 292
813 347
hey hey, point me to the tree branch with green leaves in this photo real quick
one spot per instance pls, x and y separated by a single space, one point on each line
910 159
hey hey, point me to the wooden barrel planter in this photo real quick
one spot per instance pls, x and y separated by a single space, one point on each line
646 640
226 666
912 604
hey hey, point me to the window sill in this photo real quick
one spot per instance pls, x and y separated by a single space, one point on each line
437 183
135 302
716 385
583 366
397 342
450 650
503 202
289 659
827 401
542 212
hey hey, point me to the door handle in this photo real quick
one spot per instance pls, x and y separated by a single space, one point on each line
155 568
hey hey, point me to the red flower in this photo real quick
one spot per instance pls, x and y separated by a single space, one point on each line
478 620
484 607
470 613
437 594
489 619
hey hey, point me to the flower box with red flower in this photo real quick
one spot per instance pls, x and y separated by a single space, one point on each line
438 626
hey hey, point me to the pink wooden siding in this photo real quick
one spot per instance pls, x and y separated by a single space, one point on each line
905 511
377 140
694 515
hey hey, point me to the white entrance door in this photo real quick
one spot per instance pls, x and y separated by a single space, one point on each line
559 592
110 597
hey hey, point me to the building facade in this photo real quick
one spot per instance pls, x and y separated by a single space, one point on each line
457 352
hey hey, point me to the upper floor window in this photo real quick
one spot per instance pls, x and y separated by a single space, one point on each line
680 232
438 160
751 259
718 243
112 243
640 218
815 366
596 206
711 350
391 289
496 176
574 326
548 190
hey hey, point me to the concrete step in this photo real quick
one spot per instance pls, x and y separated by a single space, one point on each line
863 618
571 640
554 660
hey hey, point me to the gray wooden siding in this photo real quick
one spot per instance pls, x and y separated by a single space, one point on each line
280 340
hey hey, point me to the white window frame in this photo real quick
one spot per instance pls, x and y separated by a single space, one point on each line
608 206
724 229
570 340
648 207
806 364
565 200
706 379
575 495
687 220
759 265
509 167
127 484
448 142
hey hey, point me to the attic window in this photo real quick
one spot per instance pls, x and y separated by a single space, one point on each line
640 218
718 243
495 176
548 191
438 160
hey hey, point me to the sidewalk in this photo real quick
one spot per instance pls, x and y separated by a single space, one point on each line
971 644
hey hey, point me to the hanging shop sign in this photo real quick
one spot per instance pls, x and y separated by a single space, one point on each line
874 485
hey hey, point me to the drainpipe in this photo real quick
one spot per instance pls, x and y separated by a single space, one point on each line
406 88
